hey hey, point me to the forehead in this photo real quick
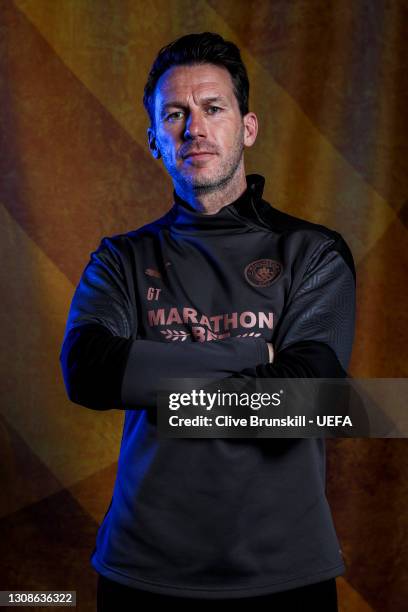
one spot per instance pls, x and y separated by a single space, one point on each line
183 82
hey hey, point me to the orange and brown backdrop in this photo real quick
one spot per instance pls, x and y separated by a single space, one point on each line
329 84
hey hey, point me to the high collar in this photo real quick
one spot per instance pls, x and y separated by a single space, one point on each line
236 216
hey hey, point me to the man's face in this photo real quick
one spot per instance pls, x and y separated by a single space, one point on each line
196 111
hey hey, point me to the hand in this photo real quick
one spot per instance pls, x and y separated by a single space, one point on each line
271 352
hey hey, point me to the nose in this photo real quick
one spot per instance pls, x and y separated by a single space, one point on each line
195 125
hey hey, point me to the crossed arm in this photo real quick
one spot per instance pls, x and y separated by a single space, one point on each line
105 367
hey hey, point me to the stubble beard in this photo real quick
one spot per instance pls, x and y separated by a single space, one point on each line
218 180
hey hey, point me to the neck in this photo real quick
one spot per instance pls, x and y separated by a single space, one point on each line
210 202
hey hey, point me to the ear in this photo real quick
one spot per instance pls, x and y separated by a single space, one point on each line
251 129
154 149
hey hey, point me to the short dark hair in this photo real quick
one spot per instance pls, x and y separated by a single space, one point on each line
203 48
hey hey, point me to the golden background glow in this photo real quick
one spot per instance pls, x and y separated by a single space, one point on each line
330 90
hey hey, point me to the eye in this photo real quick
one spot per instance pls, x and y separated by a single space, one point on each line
172 116
176 115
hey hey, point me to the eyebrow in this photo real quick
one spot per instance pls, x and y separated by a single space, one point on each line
178 104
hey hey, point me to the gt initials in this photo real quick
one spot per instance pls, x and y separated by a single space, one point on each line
153 293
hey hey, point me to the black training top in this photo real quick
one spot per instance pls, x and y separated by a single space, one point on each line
192 296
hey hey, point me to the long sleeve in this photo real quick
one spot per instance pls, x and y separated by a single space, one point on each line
105 365
316 329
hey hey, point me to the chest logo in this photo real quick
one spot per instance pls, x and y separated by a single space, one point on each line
262 272
152 272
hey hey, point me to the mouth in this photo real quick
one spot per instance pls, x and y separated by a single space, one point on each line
199 155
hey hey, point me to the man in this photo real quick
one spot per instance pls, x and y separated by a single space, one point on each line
222 285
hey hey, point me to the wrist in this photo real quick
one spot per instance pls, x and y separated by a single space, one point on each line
270 351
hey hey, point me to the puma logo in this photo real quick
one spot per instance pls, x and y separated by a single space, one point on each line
156 273
152 272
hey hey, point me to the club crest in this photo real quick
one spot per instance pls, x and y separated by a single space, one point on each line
263 272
